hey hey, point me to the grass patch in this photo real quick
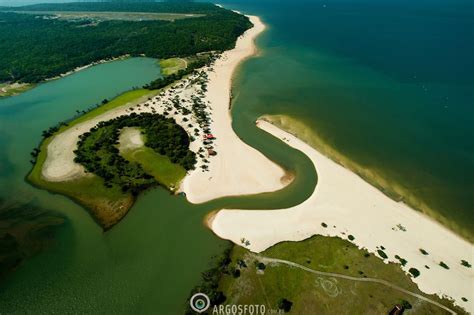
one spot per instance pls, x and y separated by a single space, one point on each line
159 166
172 65
107 205
134 96
316 294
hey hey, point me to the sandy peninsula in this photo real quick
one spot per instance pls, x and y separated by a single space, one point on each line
350 206
236 169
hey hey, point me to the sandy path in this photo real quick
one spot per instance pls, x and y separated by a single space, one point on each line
354 207
238 169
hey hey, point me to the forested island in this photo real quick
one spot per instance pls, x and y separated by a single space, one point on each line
43 41
97 150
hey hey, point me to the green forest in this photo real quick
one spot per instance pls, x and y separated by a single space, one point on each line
34 47
97 150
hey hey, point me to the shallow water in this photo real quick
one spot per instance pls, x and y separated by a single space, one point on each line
151 260
88 270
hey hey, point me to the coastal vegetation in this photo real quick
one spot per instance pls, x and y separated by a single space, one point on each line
402 261
313 293
424 252
466 264
443 264
165 172
382 254
285 305
414 272
209 283
97 150
35 47
175 69
172 65
117 174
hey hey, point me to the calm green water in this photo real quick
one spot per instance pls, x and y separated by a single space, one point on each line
151 260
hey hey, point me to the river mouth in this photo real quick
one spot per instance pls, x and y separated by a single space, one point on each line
158 251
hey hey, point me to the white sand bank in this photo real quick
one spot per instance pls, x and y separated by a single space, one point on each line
342 199
59 165
237 169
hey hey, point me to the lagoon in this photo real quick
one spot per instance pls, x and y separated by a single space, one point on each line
149 261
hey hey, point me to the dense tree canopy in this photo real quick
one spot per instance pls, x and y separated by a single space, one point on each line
34 48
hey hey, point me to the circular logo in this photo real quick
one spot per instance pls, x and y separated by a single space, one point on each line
199 302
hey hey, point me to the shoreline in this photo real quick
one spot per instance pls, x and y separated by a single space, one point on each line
392 190
348 205
209 218
77 69
232 171
24 87
237 169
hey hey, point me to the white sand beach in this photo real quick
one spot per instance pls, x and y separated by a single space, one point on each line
351 206
59 165
237 169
